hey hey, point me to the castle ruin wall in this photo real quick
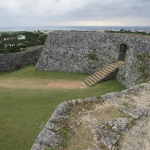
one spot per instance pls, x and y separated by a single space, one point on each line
90 51
8 61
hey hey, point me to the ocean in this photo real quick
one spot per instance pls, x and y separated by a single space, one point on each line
82 28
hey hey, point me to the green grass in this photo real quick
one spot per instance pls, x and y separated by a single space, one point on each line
30 72
23 111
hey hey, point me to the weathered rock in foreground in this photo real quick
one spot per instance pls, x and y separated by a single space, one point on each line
134 102
49 136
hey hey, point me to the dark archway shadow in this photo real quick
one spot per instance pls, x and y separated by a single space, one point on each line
122 52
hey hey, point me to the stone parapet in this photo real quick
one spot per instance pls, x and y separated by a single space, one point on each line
8 61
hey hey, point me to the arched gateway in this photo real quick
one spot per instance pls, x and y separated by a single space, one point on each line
122 52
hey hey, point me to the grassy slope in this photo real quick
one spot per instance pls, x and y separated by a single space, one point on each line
23 111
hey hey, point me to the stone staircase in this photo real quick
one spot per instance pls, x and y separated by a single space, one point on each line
103 73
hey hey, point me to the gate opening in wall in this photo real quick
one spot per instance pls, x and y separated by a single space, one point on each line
122 52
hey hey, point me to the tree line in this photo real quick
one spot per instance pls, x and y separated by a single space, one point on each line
11 42
129 31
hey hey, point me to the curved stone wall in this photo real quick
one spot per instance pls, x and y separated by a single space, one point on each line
51 138
8 61
89 51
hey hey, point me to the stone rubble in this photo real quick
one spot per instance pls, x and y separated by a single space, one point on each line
92 99
139 135
49 136
60 113
107 134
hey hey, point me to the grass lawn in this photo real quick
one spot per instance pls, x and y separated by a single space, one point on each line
24 110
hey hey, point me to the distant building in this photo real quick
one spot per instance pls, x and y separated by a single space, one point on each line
9 38
21 37
10 45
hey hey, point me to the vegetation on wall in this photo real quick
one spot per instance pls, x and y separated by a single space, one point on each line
72 56
17 41
92 57
144 58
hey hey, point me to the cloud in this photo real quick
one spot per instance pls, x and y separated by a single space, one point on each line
74 12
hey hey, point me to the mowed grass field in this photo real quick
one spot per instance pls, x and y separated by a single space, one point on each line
27 101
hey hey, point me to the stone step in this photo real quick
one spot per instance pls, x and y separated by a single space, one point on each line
108 69
120 62
90 81
87 83
99 75
93 79
112 67
104 72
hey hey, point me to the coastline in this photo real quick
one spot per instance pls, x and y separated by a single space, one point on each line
80 28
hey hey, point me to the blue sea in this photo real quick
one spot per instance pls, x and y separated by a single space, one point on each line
82 28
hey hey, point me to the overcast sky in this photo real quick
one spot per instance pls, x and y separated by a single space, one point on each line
14 13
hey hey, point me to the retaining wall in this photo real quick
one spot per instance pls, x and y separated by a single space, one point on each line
8 61
89 51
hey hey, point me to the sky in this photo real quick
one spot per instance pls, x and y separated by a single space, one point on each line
17 13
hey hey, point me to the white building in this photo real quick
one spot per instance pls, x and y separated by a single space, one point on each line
21 37
9 38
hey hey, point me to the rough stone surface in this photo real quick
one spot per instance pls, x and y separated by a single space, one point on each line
91 99
72 102
49 136
134 102
108 96
46 139
8 61
131 112
120 124
60 113
145 85
135 88
107 137
73 129
90 51
51 126
138 137
80 101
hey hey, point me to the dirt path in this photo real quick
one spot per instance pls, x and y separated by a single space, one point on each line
41 84
84 119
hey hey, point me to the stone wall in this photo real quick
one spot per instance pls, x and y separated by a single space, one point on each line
104 134
89 51
8 61
76 51
137 62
